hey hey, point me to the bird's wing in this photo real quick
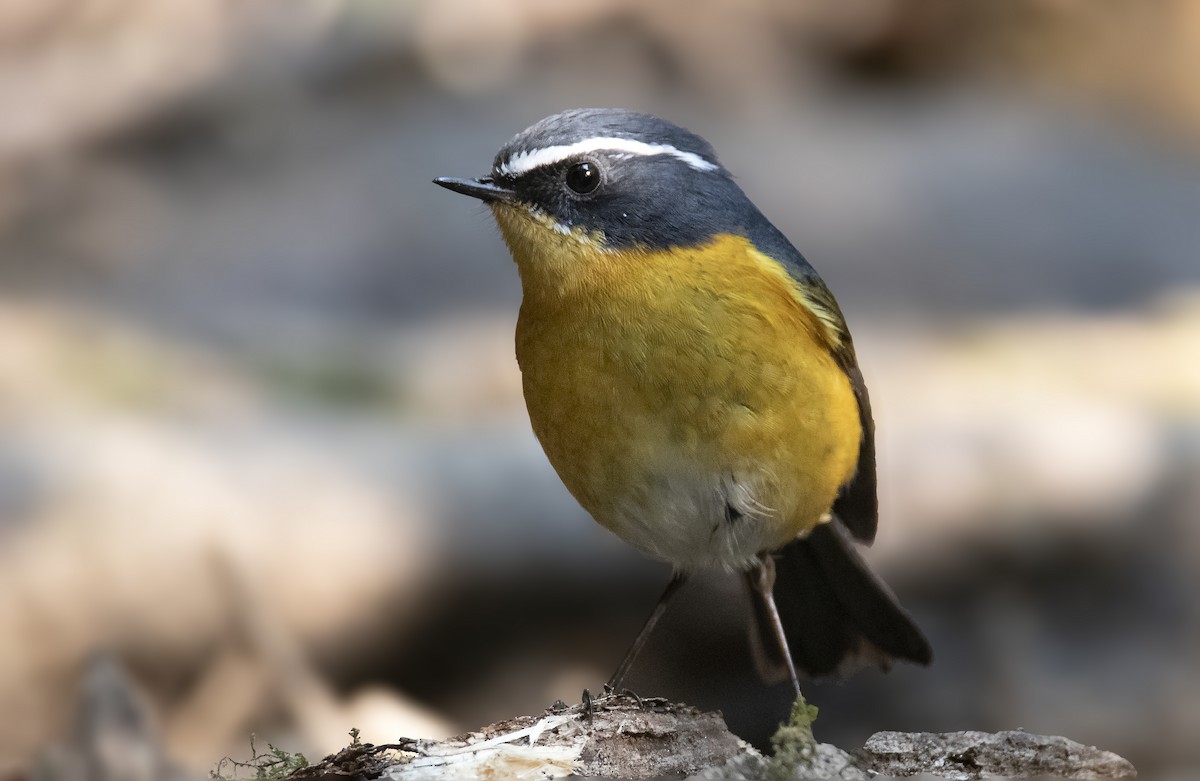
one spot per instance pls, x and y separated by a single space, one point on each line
857 505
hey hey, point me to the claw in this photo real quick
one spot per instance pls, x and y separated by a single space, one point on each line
588 710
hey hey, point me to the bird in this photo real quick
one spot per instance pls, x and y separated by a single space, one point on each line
693 382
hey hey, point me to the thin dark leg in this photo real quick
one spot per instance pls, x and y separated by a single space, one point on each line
614 682
764 587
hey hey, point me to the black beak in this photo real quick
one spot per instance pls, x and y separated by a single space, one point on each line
482 188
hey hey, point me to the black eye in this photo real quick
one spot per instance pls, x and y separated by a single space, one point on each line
583 177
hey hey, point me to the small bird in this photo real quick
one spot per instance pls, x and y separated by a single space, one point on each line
693 382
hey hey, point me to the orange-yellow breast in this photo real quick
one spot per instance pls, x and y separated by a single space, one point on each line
687 398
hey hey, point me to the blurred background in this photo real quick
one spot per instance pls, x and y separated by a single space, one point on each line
264 464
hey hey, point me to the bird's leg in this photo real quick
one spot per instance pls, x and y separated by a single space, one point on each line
763 585
614 682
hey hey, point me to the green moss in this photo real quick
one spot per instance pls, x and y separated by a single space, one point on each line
272 763
793 743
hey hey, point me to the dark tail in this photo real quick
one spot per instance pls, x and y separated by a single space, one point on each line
837 614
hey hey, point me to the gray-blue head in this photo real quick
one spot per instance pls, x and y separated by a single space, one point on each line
635 179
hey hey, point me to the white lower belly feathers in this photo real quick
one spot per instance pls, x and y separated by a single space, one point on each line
693 520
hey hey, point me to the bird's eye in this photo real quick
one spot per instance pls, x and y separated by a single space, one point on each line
582 178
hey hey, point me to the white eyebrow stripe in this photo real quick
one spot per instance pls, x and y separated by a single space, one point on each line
524 162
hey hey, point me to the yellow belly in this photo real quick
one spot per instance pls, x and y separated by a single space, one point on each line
687 399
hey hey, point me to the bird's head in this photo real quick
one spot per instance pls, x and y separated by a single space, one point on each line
590 181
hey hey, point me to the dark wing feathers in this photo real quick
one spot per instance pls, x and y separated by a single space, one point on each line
857 506
846 616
